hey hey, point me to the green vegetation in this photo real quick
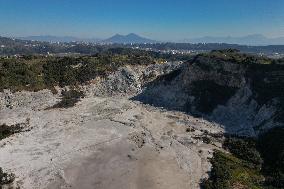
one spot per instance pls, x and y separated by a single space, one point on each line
72 71
229 172
206 140
251 163
38 72
6 178
244 148
6 131
214 46
19 74
234 56
69 98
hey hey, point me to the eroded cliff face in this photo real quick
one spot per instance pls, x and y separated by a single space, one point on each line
244 97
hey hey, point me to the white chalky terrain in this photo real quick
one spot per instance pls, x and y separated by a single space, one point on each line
103 142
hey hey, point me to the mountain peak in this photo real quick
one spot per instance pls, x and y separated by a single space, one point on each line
132 34
117 35
129 38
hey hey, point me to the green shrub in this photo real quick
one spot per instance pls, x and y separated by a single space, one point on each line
206 140
244 148
6 131
69 99
6 178
229 171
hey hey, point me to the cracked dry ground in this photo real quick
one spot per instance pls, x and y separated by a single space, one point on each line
107 143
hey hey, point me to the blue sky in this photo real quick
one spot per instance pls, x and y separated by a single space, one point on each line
157 19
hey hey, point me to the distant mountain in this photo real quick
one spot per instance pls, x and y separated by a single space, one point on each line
121 39
64 39
11 46
127 39
255 39
12 42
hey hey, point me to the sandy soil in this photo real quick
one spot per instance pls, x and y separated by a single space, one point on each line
120 165
105 143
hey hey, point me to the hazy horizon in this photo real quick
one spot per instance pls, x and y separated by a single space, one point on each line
124 34
160 20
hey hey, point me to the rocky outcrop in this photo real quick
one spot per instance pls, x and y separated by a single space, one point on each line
33 100
129 80
126 81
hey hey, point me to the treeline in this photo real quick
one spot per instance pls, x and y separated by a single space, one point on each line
236 56
38 72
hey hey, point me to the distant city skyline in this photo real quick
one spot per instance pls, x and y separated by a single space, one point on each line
162 20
